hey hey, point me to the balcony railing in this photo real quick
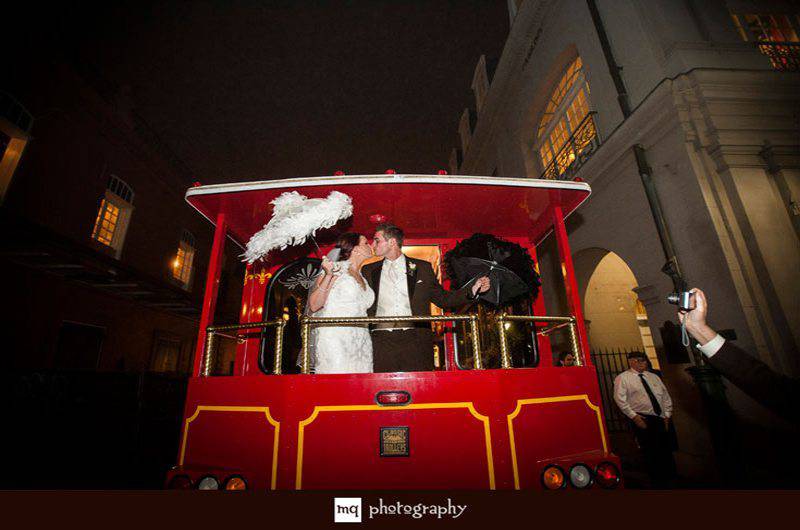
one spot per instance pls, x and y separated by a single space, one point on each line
576 151
307 322
212 331
784 56
556 323
472 319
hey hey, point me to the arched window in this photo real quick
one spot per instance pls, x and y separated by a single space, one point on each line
776 35
566 130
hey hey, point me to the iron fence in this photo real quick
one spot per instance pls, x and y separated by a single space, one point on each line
609 364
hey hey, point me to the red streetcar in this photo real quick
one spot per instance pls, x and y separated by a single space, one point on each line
496 413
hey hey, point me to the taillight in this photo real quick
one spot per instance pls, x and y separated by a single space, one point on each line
180 482
235 483
580 476
553 478
607 475
208 483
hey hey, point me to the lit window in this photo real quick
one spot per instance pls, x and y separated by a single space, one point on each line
113 215
106 222
566 129
182 264
779 33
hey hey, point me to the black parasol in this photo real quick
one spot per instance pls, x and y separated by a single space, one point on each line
508 266
506 285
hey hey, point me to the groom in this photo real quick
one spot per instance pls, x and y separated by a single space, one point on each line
403 287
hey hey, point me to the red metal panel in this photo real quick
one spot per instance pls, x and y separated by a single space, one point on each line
568 270
448 443
569 414
212 286
458 424
233 452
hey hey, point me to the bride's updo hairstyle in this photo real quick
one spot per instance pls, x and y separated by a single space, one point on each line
347 242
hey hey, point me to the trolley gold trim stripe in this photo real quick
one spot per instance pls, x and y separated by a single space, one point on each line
414 406
553 399
216 408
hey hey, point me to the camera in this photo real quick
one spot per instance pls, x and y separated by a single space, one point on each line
684 300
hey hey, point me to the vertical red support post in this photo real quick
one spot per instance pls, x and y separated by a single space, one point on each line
568 270
538 309
212 286
447 356
240 363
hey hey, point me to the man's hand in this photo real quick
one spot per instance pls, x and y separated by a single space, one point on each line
481 285
639 421
695 320
666 424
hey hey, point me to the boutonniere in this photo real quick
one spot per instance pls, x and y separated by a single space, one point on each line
412 268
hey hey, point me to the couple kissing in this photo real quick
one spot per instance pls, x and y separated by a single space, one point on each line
397 285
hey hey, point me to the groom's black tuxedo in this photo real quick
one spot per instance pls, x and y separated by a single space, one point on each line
410 350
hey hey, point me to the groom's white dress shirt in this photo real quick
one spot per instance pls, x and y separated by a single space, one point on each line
393 293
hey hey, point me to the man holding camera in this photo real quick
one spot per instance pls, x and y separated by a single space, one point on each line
773 390
644 399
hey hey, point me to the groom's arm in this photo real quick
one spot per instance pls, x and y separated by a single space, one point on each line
441 296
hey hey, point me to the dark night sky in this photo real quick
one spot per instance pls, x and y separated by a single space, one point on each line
240 91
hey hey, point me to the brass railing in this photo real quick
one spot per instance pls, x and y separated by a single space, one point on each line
576 150
307 322
559 322
213 331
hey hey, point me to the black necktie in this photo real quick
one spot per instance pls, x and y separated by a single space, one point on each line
653 400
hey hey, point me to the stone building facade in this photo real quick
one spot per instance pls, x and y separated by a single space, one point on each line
703 98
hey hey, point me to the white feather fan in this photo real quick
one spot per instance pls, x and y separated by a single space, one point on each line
295 217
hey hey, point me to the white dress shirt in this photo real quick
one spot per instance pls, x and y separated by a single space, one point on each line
632 399
393 293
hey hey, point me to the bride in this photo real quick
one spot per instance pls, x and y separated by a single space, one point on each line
342 292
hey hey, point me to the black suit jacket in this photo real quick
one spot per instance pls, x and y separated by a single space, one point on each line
773 390
423 288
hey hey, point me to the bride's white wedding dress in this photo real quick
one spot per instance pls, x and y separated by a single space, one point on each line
344 349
